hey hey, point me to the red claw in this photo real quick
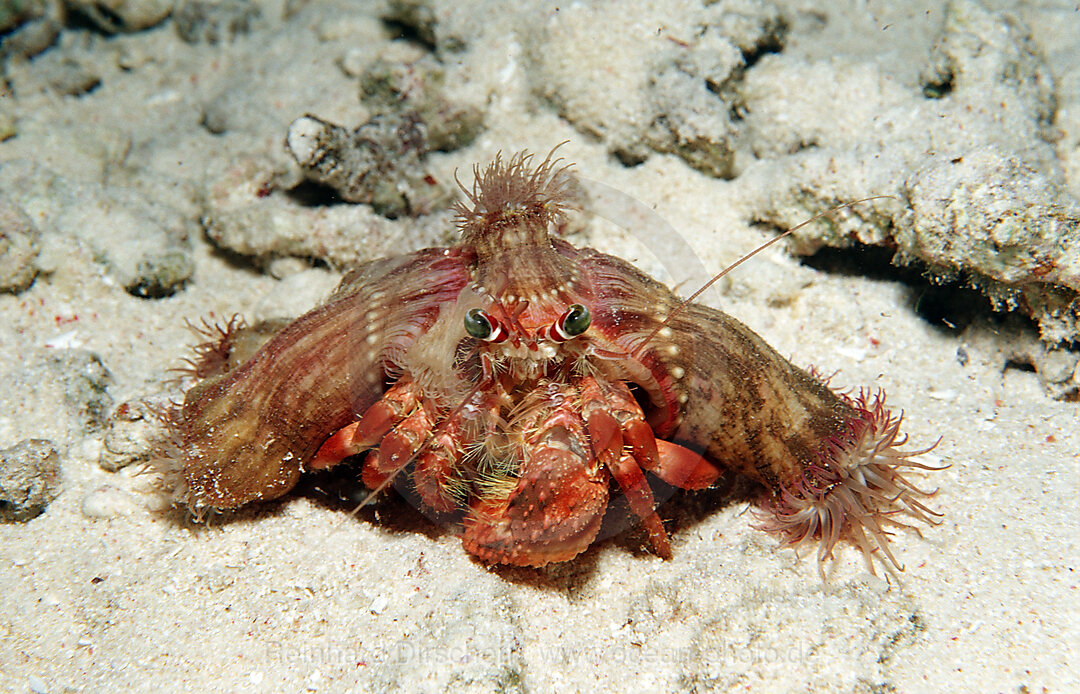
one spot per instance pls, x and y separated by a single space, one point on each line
683 468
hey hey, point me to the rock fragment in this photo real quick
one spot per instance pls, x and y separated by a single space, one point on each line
376 164
29 479
247 213
29 27
380 163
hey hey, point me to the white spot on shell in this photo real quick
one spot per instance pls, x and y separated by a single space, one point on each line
683 397
371 339
678 372
665 332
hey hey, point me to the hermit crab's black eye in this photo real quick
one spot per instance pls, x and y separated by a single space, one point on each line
575 321
483 327
477 324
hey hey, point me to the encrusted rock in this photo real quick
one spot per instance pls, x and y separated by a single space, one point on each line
398 84
29 479
377 164
380 163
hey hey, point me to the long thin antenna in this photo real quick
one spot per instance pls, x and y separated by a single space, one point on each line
678 309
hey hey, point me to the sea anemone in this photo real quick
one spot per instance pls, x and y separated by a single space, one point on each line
166 460
513 187
855 489
211 356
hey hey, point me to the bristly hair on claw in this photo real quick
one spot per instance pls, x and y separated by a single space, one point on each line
855 490
510 188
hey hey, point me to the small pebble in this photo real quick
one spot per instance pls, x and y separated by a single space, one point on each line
29 479
378 604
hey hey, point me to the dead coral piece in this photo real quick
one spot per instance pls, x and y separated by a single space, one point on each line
418 15
29 479
142 241
990 215
979 190
377 164
29 27
1009 342
70 77
380 163
246 213
435 23
12 14
144 244
980 48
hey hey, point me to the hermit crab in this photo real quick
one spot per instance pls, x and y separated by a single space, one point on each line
519 383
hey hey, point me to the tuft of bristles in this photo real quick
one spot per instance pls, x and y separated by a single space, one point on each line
166 461
211 356
855 490
514 185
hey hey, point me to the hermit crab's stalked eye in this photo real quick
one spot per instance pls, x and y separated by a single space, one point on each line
572 323
483 327
575 321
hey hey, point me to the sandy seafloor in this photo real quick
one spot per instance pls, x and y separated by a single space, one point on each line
100 593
